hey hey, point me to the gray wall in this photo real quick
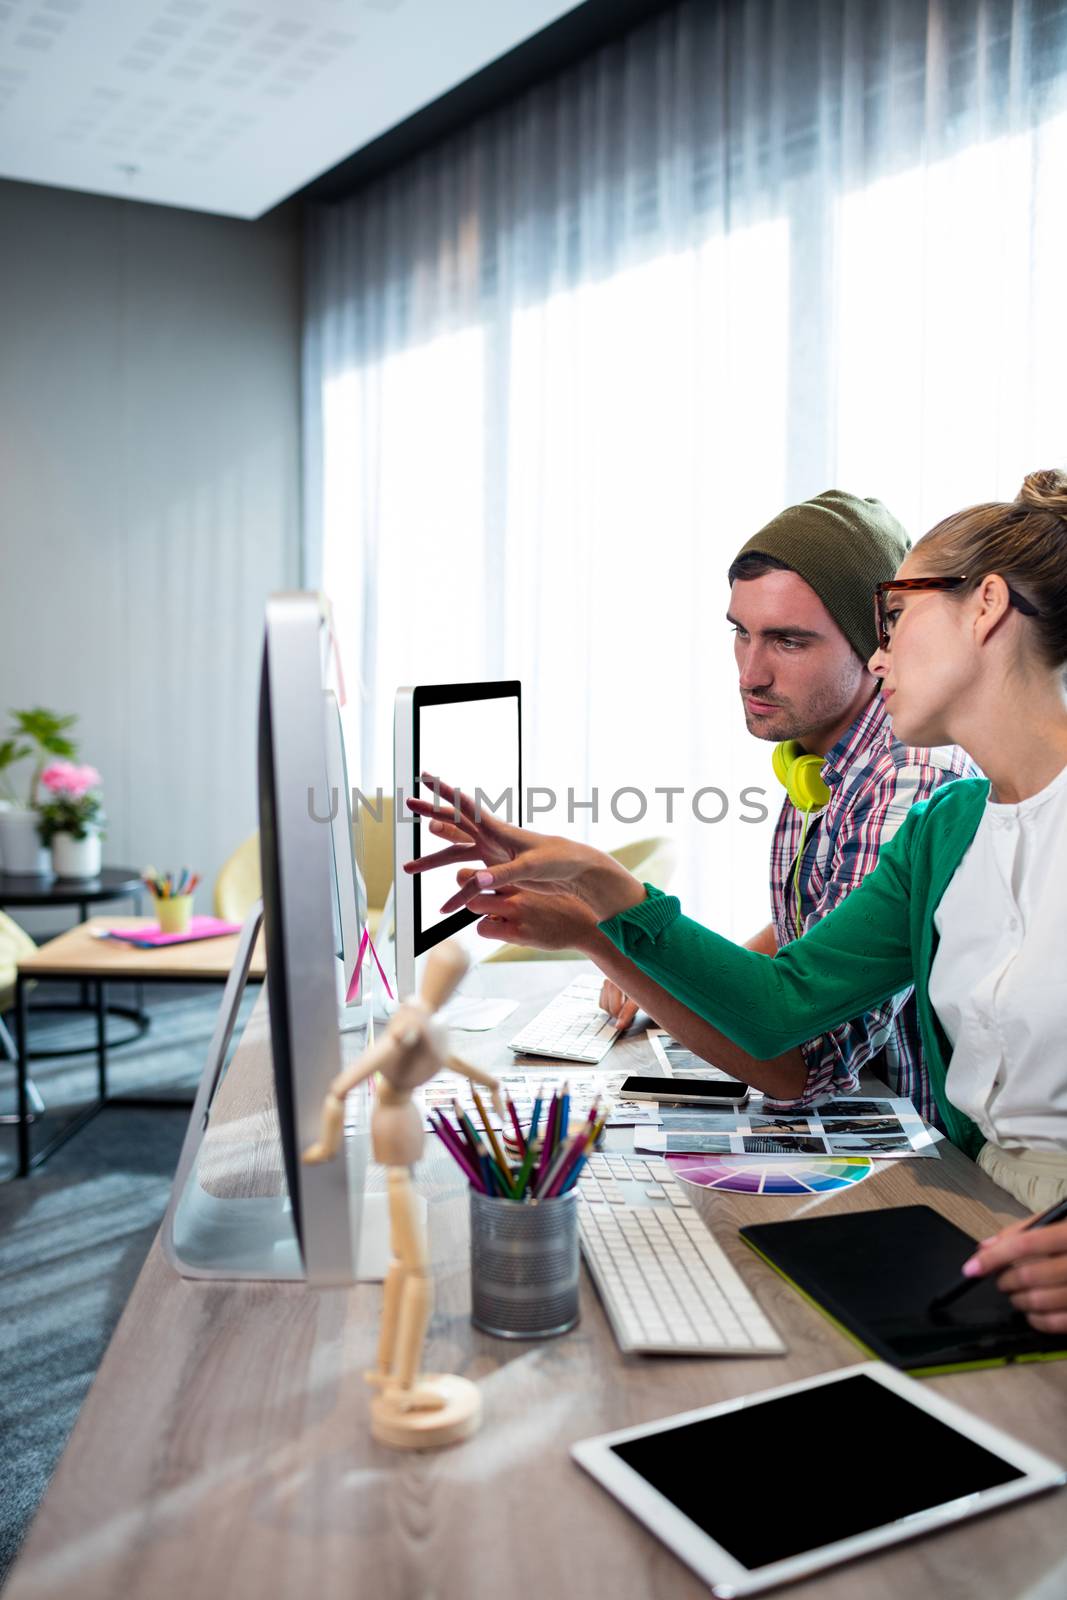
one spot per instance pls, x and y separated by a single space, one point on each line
149 498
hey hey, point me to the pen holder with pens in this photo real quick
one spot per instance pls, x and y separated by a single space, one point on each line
172 897
174 915
524 1265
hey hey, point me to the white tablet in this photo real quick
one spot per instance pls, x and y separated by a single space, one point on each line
734 1491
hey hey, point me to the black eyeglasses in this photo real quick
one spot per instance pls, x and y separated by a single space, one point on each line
884 624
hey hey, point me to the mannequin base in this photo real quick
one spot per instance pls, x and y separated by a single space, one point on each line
459 1415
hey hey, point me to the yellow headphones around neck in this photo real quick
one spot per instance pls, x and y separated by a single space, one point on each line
800 774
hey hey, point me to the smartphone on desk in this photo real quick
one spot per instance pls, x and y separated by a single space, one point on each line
686 1091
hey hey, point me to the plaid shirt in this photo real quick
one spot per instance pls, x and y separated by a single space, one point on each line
873 781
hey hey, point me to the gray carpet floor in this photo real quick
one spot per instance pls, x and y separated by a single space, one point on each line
73 1236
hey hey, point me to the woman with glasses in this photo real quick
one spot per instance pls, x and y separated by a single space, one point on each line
967 901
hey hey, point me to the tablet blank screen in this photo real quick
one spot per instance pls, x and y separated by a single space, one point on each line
790 1475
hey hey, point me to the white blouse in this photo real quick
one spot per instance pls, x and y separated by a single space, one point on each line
998 982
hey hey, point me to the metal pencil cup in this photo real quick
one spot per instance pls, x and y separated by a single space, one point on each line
524 1265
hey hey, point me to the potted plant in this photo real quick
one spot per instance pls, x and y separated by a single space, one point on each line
71 819
43 735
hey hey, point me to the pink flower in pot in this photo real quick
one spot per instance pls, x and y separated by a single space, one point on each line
67 778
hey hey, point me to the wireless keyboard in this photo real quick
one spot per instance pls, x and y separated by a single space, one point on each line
572 1027
666 1284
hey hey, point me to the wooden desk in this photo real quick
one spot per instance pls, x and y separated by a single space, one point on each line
224 1447
79 956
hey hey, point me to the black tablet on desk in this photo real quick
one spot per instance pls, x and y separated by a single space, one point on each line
875 1273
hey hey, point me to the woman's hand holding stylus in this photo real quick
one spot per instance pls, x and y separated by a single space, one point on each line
1031 1266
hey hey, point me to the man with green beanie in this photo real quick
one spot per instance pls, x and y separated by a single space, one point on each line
802 610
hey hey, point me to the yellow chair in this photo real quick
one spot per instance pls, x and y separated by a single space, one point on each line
238 885
15 943
651 860
377 858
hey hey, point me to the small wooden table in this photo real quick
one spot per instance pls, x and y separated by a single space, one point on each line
225 1449
30 891
80 956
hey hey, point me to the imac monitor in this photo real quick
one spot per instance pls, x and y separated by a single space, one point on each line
317 1225
469 735
300 901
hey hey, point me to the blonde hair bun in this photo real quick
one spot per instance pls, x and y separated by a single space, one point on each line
1045 491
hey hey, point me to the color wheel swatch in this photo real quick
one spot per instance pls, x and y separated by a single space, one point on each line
744 1176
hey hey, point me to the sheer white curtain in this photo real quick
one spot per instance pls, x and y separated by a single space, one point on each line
560 368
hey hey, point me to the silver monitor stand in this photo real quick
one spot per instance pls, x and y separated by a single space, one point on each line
213 1236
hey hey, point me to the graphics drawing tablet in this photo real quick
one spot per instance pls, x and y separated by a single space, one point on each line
874 1273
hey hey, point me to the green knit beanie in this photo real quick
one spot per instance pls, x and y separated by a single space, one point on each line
842 546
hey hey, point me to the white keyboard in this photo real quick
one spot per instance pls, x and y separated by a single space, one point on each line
666 1284
571 1027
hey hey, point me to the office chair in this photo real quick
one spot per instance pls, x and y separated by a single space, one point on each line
15 943
238 887
651 860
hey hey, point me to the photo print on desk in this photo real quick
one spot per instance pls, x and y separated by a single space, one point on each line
522 1088
675 1061
892 1129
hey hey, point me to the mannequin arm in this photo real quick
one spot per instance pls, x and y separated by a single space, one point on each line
479 1076
333 1107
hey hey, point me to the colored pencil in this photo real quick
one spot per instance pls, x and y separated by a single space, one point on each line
535 1116
550 1138
516 1124
458 1154
469 1132
574 1156
560 1161
522 1179
494 1143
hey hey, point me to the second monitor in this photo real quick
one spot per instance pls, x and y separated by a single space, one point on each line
469 735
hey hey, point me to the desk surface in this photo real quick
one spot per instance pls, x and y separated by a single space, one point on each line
78 954
224 1449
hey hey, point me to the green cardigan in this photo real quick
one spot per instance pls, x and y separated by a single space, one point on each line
878 941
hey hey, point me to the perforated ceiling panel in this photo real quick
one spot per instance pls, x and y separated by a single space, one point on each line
224 107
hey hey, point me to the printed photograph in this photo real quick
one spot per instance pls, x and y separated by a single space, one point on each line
759 1145
854 1108
698 1144
772 1126
682 1062
833 1126
681 1121
849 1144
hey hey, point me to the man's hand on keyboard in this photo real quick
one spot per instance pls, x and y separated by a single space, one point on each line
617 1004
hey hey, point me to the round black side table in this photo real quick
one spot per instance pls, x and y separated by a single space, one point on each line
39 892
28 889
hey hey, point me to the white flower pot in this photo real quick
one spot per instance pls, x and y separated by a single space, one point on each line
76 858
21 850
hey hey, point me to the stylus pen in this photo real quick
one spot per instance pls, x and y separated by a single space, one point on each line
1056 1213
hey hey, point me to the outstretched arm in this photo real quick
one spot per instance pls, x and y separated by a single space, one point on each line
376 1059
854 958
477 1075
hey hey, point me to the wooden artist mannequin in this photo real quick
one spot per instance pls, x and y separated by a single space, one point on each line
412 1409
